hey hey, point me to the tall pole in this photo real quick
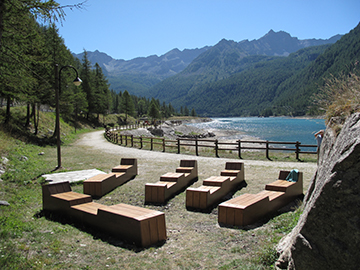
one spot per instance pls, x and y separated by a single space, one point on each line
57 120
77 82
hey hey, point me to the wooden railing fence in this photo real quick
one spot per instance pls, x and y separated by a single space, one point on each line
238 146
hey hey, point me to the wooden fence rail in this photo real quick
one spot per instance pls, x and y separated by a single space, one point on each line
239 145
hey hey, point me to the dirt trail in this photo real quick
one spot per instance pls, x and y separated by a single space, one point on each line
164 162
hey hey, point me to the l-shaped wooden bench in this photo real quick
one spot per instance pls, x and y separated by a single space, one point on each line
215 187
248 208
171 183
138 225
101 184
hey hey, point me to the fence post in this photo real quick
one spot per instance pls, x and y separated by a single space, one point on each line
126 140
117 138
267 150
239 148
196 146
132 140
163 143
216 148
297 151
151 143
141 142
178 145
121 139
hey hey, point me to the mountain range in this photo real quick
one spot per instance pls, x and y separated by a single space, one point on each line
140 75
275 75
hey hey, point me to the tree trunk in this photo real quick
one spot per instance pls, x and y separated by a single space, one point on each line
27 123
7 114
35 120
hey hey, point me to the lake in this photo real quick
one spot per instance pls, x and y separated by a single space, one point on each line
269 128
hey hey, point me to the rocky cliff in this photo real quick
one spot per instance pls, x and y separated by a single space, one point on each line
327 235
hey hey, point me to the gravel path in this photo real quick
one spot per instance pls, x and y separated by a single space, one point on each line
208 166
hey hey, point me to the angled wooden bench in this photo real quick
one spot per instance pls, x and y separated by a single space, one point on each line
215 187
171 183
102 184
59 197
248 208
127 166
141 226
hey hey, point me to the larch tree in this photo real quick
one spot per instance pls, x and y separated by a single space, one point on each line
127 105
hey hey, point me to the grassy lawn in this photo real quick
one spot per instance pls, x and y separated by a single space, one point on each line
31 240
195 240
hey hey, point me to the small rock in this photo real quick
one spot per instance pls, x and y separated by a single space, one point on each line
24 158
4 203
4 160
41 153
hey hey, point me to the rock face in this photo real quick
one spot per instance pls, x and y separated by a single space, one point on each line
327 235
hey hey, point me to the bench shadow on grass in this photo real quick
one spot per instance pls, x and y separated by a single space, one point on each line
94 232
214 206
290 207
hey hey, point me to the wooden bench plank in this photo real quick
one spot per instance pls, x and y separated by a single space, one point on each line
90 207
121 168
229 173
216 181
171 177
184 169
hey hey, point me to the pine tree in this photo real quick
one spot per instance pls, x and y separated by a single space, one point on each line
127 104
153 111
101 92
87 84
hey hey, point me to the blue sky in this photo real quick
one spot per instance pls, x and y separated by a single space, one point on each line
126 29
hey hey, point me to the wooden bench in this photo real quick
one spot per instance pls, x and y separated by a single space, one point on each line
235 169
59 197
138 225
248 208
102 184
215 187
128 166
171 183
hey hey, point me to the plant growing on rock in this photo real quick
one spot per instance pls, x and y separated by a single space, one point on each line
339 98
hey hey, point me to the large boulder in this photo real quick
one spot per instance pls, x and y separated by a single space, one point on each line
327 235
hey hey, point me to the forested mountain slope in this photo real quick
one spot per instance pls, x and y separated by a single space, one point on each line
226 59
252 91
341 58
256 85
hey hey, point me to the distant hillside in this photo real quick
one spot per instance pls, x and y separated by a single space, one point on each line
139 74
258 85
226 59
253 91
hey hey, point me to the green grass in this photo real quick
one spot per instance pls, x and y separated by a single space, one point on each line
31 240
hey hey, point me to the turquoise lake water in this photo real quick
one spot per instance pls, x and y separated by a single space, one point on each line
271 128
